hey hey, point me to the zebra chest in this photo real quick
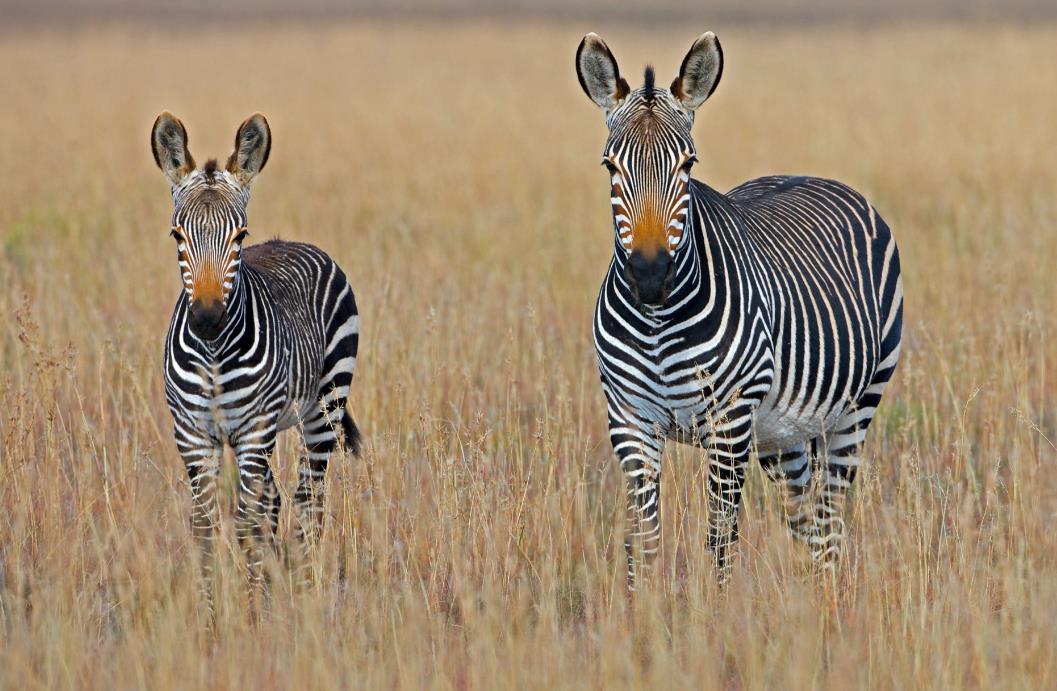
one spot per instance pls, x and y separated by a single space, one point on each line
676 390
225 407
689 397
255 402
226 395
679 373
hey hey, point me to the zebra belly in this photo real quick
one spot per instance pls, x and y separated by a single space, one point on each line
774 428
778 429
781 423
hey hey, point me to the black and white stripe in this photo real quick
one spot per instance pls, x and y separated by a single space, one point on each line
262 339
764 320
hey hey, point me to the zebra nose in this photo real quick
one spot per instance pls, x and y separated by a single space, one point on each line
206 319
650 278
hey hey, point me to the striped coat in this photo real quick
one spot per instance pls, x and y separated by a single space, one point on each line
262 339
763 321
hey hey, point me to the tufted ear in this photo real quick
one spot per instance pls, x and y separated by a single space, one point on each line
253 143
168 142
598 72
700 72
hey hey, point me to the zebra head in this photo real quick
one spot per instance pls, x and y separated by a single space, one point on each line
649 154
209 218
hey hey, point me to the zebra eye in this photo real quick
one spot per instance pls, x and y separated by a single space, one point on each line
609 166
241 236
688 163
175 232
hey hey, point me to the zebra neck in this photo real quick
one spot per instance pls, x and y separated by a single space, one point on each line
709 226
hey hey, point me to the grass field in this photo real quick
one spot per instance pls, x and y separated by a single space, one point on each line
452 169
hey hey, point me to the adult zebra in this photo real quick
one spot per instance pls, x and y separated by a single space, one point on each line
262 339
768 318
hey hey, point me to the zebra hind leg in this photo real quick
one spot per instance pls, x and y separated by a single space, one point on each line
792 469
321 439
841 453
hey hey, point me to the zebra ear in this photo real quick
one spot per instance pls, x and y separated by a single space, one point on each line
598 73
168 142
700 72
253 143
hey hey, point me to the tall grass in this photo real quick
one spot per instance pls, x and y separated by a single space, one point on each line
451 169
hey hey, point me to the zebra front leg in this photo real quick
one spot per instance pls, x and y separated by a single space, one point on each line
201 457
792 468
728 449
257 505
640 452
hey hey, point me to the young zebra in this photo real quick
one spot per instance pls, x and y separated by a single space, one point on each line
766 319
262 338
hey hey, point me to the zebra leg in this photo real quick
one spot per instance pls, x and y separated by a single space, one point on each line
321 439
791 468
728 447
841 451
272 502
640 453
201 457
257 503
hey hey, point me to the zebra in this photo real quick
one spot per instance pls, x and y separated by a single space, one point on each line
262 338
765 320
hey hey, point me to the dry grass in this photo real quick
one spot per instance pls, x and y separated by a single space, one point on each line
452 170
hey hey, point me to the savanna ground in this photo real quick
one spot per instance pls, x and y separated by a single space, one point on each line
452 169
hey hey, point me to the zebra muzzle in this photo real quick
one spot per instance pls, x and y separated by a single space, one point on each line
206 320
650 279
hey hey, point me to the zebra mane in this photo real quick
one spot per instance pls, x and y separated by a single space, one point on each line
648 87
210 169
